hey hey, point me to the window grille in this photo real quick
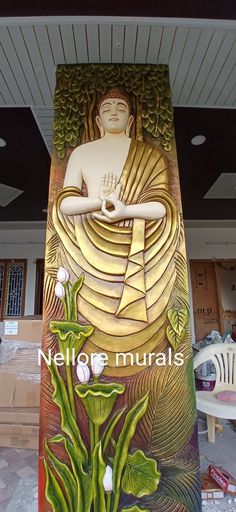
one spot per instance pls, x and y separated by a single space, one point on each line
2 276
12 287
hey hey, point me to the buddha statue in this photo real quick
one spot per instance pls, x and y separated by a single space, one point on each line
119 227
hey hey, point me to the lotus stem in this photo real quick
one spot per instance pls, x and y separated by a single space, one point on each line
96 434
109 501
67 302
64 301
113 443
91 431
70 390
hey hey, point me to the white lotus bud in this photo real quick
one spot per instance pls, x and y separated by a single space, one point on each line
59 291
97 364
107 479
83 372
63 275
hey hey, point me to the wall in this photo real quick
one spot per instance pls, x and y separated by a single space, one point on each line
216 241
211 242
228 286
28 244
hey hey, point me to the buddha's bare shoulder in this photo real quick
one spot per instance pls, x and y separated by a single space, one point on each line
84 148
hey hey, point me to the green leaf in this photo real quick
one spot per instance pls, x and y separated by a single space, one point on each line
73 297
178 318
110 428
53 492
72 330
68 423
135 509
66 477
128 431
99 469
83 480
141 476
174 339
57 439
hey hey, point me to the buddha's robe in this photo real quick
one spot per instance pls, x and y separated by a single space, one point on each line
129 270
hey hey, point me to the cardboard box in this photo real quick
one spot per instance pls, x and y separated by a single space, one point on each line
19 415
18 392
23 329
20 358
25 442
19 440
19 428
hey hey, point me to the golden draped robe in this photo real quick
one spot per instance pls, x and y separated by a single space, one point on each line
129 270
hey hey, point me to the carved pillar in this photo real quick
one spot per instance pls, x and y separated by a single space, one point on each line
122 437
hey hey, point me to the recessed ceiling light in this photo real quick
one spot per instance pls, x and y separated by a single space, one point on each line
2 143
198 140
45 210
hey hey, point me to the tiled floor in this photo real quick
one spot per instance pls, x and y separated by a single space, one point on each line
18 480
18 473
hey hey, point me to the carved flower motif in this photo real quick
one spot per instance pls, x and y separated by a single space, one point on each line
63 275
99 399
59 291
83 373
97 365
107 479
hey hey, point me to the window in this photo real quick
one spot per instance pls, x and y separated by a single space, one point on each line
12 287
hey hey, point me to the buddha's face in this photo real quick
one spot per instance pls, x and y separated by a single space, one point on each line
114 116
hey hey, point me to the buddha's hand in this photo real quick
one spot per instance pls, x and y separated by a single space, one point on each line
107 185
118 210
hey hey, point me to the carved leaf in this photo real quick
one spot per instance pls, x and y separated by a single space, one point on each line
98 474
54 493
66 477
174 339
126 435
178 318
83 480
107 435
68 422
141 476
73 297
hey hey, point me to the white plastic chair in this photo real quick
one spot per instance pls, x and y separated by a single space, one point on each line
223 356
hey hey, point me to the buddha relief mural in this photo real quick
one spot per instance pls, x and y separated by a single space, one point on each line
118 413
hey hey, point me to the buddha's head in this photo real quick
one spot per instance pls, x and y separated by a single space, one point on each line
114 113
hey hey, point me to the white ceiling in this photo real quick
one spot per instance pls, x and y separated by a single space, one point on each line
201 55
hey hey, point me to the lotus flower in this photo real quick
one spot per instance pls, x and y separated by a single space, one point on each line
107 479
99 399
63 275
97 364
59 291
83 372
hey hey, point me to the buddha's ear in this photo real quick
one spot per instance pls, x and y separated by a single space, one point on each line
130 122
100 127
